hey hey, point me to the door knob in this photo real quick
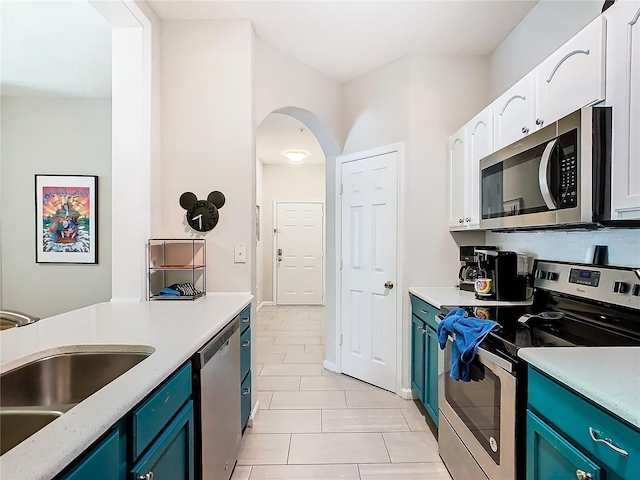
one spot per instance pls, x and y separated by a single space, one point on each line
388 285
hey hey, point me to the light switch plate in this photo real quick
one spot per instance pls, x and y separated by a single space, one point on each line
240 254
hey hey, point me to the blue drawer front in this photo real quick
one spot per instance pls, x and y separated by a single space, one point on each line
245 353
101 463
572 415
245 318
245 401
172 455
151 417
424 311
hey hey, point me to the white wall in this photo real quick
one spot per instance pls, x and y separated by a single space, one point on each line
547 27
207 131
418 100
260 288
52 136
285 183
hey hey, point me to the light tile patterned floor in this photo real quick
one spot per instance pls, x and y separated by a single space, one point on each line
315 424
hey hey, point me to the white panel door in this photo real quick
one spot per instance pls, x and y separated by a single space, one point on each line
369 237
299 253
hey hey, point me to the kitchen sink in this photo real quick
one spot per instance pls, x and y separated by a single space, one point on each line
64 379
18 425
12 319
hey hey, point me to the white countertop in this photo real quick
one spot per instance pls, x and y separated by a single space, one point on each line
608 376
454 297
173 330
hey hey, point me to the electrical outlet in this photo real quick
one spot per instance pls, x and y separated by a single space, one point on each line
240 254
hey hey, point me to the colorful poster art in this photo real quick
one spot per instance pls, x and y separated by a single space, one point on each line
66 219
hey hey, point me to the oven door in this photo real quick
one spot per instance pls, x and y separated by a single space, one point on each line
482 412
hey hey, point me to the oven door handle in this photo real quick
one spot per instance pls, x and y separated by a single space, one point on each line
544 177
486 356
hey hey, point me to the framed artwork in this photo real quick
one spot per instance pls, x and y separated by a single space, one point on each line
512 207
258 223
66 219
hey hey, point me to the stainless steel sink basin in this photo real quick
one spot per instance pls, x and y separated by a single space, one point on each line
18 425
64 379
11 319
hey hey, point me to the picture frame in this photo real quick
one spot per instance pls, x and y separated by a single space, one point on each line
512 207
66 219
258 223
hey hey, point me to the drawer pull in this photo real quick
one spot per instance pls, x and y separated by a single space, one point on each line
618 450
424 312
582 475
244 320
246 344
148 476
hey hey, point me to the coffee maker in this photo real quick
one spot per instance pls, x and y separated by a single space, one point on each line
505 275
469 268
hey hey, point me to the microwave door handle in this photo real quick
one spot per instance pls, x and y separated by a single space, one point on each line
544 176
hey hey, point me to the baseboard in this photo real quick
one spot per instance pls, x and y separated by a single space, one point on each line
407 393
263 304
254 414
332 367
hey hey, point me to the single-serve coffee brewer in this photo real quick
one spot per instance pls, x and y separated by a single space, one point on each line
504 276
469 268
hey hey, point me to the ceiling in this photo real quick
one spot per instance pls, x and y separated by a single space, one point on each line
280 133
344 39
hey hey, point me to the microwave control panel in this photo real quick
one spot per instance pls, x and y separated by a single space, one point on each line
568 178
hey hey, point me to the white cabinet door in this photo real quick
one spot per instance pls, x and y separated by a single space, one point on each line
514 112
457 180
480 144
623 94
573 76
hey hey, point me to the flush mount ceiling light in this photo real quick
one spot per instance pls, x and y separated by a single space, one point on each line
296 157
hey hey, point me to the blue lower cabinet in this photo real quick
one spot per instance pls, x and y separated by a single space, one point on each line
104 461
171 455
424 355
551 457
245 401
245 353
431 374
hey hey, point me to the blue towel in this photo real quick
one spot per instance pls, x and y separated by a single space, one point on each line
168 292
468 333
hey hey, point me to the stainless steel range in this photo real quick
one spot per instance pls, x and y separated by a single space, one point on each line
482 422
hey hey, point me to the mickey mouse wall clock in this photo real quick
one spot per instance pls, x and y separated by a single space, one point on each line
202 215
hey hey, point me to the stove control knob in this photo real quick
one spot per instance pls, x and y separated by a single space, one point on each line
636 290
620 287
553 276
541 274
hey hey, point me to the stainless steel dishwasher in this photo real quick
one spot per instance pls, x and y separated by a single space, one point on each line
217 387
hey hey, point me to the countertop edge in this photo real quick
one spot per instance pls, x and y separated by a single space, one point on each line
620 398
454 297
89 420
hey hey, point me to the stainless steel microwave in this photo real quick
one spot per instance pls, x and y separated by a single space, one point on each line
558 176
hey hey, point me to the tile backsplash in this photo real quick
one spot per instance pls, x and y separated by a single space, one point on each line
573 246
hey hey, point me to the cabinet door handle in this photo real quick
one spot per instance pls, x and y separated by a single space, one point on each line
582 475
424 312
246 391
618 450
244 320
467 219
246 344
525 130
148 476
539 121
461 220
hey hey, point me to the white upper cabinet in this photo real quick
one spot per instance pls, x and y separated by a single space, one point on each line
458 186
514 112
479 133
623 94
573 76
